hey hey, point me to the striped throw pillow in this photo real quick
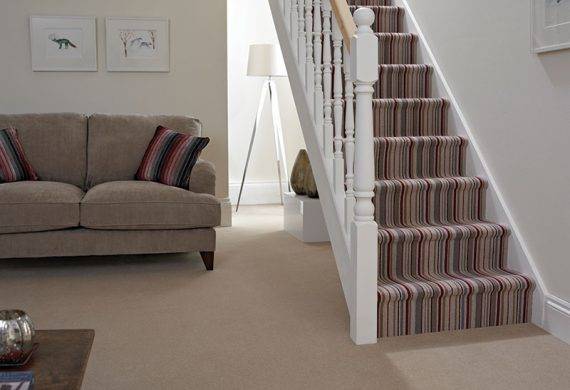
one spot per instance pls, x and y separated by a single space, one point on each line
170 157
13 163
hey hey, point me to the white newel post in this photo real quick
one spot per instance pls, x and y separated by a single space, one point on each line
301 39
338 175
310 65
327 77
364 230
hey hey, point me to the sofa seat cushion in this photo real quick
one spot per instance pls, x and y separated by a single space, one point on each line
33 206
143 205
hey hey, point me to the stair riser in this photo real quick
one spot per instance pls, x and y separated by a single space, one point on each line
409 118
441 251
397 49
453 312
403 81
387 19
427 202
403 158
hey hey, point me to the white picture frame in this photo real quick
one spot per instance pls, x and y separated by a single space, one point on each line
550 25
138 44
63 43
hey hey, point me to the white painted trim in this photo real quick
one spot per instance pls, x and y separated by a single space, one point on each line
226 212
557 317
264 192
520 259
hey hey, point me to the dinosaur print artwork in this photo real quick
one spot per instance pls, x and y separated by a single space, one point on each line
63 43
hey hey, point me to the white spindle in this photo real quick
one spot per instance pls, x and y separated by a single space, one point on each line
294 21
310 65
301 39
349 141
338 176
364 230
327 80
318 55
287 14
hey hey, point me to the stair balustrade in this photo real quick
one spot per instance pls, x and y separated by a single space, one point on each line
332 61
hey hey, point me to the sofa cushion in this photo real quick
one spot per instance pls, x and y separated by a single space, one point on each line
140 205
55 144
14 165
170 157
117 143
32 206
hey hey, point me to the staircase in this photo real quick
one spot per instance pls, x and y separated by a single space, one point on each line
393 178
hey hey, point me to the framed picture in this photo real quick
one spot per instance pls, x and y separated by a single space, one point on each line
550 25
63 43
138 44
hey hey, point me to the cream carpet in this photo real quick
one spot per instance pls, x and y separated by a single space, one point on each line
271 316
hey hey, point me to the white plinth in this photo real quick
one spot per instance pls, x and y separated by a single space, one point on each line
304 218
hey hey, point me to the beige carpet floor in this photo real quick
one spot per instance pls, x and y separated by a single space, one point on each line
271 316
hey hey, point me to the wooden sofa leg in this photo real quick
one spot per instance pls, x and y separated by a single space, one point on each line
208 259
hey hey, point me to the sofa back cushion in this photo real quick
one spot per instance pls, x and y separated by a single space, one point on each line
54 144
117 143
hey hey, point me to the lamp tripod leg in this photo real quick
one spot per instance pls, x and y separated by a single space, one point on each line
255 125
278 130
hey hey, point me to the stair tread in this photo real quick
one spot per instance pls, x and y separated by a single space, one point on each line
406 66
394 34
405 100
443 230
482 281
369 2
419 138
455 180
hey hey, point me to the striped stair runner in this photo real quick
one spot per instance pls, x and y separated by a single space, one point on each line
442 266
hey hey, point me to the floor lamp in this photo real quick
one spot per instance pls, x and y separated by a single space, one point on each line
265 61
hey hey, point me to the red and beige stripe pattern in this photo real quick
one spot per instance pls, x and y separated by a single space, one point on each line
410 117
441 265
418 157
396 48
170 157
403 81
433 201
14 166
387 19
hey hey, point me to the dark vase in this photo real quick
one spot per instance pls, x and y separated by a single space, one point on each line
302 179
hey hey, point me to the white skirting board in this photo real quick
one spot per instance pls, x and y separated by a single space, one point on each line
226 212
557 318
256 193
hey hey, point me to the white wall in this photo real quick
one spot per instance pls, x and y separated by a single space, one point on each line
249 21
518 107
196 85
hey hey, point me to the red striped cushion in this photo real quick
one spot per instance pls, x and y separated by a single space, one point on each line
13 163
170 157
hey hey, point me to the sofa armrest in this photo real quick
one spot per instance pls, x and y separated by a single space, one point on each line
203 178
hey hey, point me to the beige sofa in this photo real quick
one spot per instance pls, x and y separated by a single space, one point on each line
87 201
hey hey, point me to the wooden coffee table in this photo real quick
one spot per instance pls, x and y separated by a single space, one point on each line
60 360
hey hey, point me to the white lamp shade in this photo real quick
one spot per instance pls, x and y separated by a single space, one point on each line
265 60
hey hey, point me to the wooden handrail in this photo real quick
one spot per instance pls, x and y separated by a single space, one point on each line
344 19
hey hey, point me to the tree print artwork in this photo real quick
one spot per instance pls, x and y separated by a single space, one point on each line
138 43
